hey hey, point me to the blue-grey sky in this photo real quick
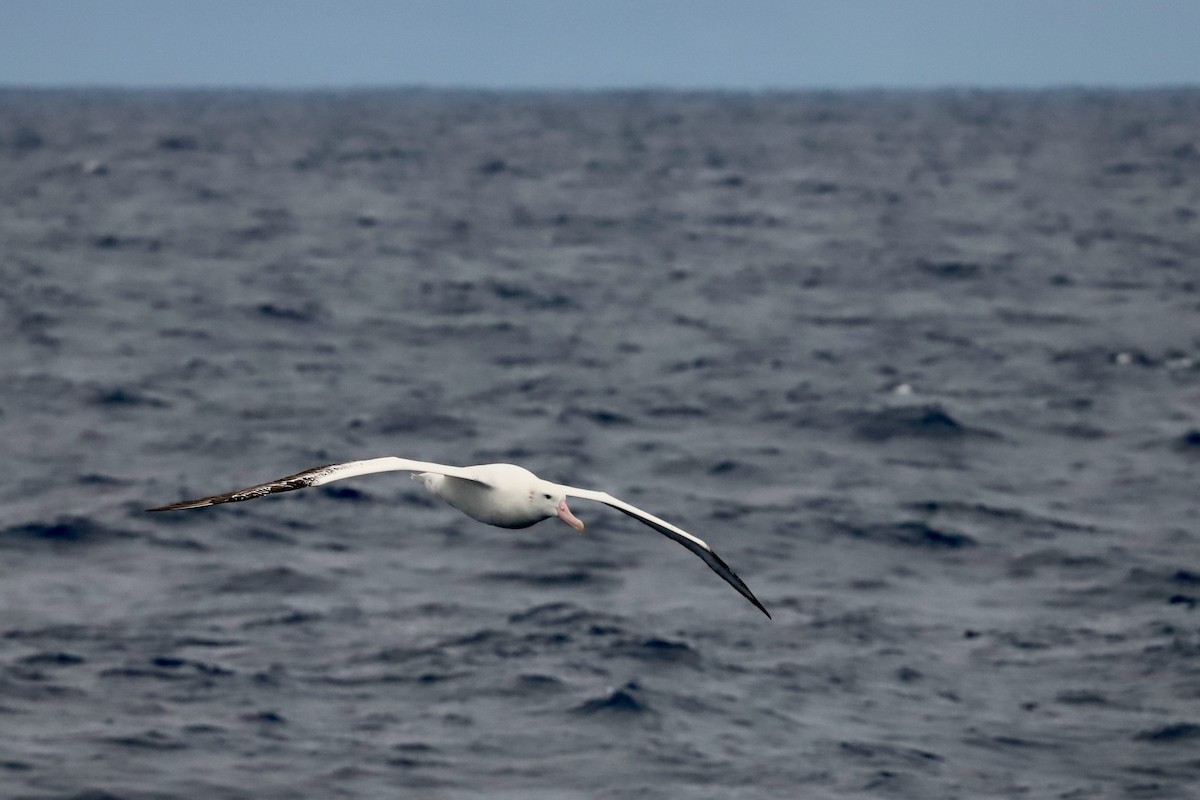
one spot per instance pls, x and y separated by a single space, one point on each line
732 44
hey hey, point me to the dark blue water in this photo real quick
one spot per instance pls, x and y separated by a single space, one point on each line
922 367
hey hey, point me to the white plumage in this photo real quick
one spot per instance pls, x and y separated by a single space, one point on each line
504 495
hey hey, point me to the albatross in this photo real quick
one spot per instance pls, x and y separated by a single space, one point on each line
503 495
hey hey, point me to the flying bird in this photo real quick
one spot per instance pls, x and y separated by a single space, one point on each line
503 495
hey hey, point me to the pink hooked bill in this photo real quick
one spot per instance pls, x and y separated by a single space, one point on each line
566 516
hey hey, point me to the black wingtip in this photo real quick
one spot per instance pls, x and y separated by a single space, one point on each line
737 583
750 596
179 506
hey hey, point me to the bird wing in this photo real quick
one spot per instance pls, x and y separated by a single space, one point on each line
696 545
318 476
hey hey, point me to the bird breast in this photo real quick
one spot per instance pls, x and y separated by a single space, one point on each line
504 509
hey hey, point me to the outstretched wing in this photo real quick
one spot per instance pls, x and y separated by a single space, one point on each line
318 476
697 546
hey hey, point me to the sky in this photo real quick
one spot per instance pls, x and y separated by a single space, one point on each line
594 44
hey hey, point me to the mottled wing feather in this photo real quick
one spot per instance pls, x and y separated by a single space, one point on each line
697 546
301 480
318 476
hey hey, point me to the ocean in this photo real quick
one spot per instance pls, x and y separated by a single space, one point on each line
923 367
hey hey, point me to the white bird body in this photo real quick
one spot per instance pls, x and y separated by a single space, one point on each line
504 495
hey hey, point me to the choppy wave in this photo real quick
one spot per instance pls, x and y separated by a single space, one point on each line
920 366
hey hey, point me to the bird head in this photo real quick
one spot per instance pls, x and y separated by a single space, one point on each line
552 501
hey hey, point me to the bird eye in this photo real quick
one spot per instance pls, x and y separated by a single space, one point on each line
548 497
